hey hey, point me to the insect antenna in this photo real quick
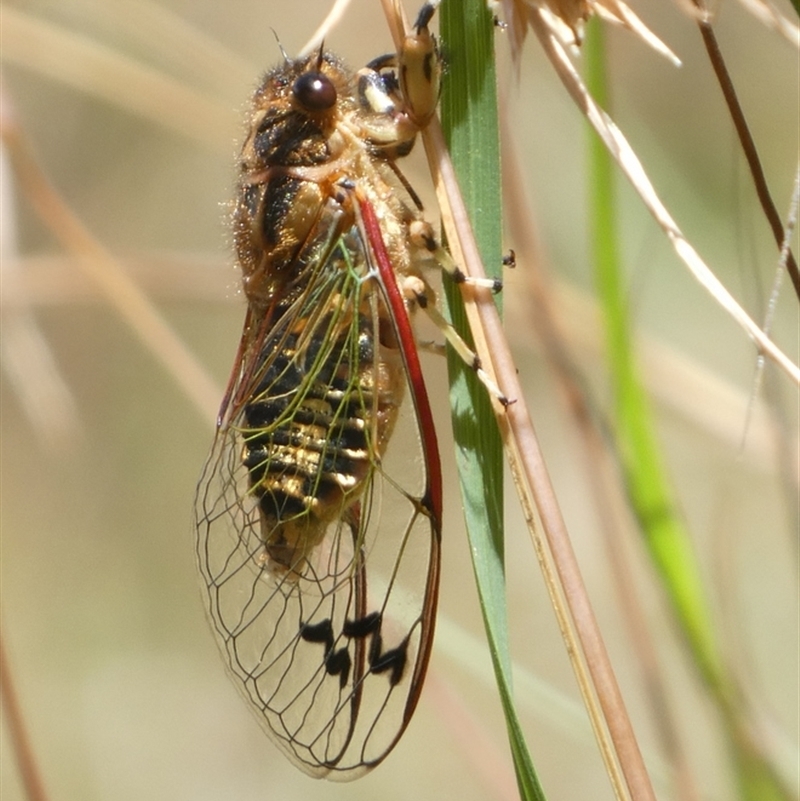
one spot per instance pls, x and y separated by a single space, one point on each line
285 55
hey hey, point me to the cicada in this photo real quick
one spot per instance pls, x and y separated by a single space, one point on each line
319 509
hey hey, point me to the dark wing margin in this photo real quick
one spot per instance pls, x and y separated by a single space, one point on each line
330 654
432 500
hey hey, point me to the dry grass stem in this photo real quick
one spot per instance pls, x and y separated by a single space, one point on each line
622 153
27 359
556 330
749 148
20 741
578 624
108 274
770 16
98 70
332 19
567 18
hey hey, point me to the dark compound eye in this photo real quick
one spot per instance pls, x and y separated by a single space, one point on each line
314 91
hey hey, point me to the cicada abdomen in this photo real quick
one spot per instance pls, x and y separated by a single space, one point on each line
321 414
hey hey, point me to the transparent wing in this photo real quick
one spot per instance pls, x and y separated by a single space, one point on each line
316 536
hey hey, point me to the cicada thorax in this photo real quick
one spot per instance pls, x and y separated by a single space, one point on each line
317 128
296 153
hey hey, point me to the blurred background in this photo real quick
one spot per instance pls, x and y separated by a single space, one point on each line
134 110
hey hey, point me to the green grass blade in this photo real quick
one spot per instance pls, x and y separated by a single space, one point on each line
639 450
648 487
469 118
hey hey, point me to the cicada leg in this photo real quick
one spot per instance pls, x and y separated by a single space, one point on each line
417 289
